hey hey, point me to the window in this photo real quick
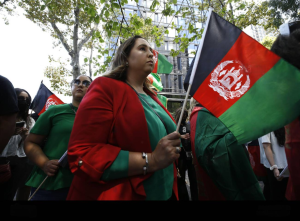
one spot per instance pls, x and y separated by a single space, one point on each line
171 46
166 45
127 12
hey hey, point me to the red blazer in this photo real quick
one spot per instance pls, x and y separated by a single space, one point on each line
110 118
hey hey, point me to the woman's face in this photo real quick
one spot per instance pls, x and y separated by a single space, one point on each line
23 101
141 57
80 86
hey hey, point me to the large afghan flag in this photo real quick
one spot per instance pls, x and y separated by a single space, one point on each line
249 88
43 99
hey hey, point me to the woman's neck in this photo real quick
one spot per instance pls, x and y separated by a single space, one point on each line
138 85
75 102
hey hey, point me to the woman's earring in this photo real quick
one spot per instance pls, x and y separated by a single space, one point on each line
126 63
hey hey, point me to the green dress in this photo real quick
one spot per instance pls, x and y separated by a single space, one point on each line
225 162
56 123
159 185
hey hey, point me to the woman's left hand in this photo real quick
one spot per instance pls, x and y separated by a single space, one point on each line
24 133
276 173
185 136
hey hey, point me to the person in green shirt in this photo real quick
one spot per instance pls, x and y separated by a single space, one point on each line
54 125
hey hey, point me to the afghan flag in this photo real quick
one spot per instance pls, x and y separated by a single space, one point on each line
162 65
155 81
249 88
43 99
163 100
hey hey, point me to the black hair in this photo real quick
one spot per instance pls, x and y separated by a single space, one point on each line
280 135
184 116
24 115
288 47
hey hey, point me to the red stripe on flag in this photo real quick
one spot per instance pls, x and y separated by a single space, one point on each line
155 57
52 100
251 59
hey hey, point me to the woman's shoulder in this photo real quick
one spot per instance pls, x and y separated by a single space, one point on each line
104 79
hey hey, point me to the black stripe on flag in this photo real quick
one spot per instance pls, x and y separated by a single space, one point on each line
220 37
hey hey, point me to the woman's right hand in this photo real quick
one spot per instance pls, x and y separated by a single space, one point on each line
165 152
51 167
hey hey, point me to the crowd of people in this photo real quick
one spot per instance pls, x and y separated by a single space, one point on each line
121 143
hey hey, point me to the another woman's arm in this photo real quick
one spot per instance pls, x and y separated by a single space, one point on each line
34 152
270 158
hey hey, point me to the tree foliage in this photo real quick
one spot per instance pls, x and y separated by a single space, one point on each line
268 41
283 10
88 25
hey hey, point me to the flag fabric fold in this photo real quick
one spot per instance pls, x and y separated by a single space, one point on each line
43 99
162 65
249 88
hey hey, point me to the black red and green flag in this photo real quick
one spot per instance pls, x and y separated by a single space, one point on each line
161 66
43 99
249 88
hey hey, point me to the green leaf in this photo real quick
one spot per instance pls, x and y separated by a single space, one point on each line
102 1
43 7
106 14
115 5
85 60
97 19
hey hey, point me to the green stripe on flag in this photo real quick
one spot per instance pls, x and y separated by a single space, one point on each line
163 100
272 102
164 66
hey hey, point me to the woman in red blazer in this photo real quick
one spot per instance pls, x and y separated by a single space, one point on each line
123 145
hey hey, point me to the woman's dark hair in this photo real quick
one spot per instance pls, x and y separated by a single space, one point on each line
280 135
119 68
184 116
24 115
288 47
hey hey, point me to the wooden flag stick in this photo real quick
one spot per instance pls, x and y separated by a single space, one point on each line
184 103
194 68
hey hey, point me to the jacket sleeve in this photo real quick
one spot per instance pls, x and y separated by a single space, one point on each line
89 153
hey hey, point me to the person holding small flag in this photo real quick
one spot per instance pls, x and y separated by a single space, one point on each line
53 127
123 145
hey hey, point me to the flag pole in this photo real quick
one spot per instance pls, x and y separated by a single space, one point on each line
194 67
62 157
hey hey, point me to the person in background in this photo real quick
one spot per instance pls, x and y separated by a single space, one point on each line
123 144
14 150
223 168
187 185
287 46
8 111
274 159
54 126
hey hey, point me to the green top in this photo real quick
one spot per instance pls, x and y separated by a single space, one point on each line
56 123
158 186
224 160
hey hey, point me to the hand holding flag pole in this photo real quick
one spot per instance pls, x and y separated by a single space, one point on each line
59 161
194 68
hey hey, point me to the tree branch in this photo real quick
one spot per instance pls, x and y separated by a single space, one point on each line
87 37
3 3
76 25
62 39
